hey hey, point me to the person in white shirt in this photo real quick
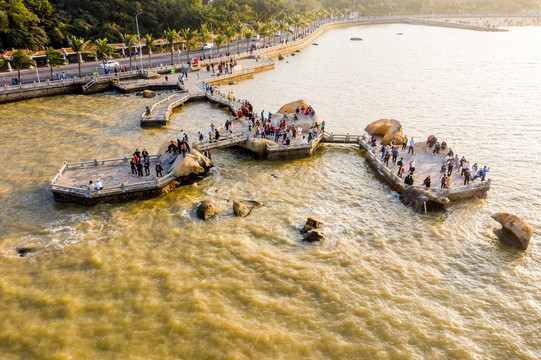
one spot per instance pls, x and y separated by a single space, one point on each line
99 185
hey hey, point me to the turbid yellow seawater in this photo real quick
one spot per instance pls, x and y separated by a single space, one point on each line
147 280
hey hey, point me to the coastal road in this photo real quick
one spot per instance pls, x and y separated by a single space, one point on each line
88 67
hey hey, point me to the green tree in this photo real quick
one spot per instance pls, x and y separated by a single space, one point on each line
54 59
239 30
130 41
20 60
248 35
219 40
204 35
229 35
104 49
283 27
79 45
189 37
172 37
149 42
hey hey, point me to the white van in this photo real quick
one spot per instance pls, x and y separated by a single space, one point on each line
255 37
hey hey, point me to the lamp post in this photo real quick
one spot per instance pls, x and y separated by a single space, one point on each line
139 40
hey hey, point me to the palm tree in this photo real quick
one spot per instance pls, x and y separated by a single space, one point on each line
189 36
248 35
229 35
104 49
220 39
239 29
149 42
172 37
79 45
54 59
20 60
130 41
204 36
283 27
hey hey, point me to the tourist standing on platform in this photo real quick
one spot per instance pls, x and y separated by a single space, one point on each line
200 136
408 180
405 142
412 166
212 128
147 167
99 185
133 166
411 144
158 170
443 181
400 163
139 168
386 159
395 155
467 176
484 173
427 182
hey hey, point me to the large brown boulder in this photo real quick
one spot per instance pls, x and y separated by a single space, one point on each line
380 127
514 231
312 223
292 106
244 208
395 132
193 163
206 210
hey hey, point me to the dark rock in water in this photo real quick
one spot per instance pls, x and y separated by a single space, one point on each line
244 208
356 39
280 57
311 224
314 235
148 94
274 176
232 83
315 44
514 231
399 34
24 251
206 210
292 54
297 51
424 200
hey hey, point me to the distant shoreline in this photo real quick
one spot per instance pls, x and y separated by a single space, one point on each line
493 21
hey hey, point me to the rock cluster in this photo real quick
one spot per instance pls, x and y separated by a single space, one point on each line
312 231
514 231
424 200
380 127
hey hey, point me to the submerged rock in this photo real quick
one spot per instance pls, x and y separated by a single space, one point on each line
311 224
356 39
25 250
380 127
148 94
244 208
280 57
314 235
514 231
206 210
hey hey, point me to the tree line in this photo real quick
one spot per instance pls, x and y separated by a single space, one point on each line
36 24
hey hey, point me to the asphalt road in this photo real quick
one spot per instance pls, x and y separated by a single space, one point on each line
88 67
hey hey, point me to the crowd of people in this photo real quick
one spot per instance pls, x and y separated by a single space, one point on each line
390 153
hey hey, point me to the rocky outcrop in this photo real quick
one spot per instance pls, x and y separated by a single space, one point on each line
380 127
394 133
424 200
292 106
314 236
514 231
259 146
244 208
206 210
311 224
149 94
280 57
194 163
26 250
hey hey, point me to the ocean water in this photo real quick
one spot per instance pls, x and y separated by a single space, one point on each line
148 280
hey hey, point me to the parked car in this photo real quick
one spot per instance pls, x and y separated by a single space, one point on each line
110 64
207 46
255 37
